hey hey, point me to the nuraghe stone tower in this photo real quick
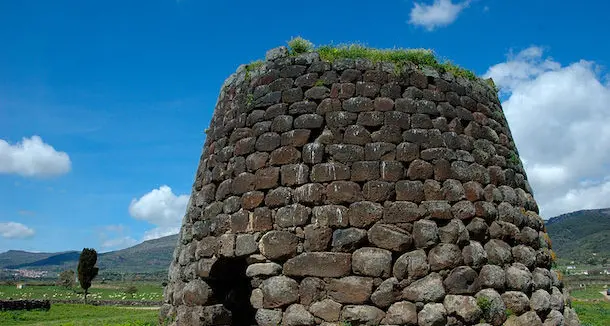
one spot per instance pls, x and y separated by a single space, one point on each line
362 193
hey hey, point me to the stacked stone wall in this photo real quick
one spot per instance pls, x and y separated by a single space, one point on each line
366 193
24 305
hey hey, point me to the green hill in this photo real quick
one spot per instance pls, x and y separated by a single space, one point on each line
18 257
148 257
582 236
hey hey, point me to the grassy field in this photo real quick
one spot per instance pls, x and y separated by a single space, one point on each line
590 292
81 315
592 313
114 291
590 306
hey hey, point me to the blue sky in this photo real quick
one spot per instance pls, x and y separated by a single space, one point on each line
103 103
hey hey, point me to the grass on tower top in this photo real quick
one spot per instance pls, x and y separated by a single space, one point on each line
419 57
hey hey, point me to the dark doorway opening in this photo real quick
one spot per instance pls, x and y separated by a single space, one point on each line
232 288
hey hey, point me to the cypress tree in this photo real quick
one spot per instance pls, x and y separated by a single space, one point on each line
86 269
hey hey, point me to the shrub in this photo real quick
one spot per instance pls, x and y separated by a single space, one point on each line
299 45
131 290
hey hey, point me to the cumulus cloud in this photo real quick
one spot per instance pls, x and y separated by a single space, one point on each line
438 14
14 230
559 117
160 232
162 208
32 158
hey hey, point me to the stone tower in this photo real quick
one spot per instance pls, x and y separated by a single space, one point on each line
360 192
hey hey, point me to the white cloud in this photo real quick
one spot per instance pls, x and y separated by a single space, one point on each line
160 232
438 14
119 243
162 208
559 118
32 157
14 230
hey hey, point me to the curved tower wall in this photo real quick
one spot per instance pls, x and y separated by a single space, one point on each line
360 192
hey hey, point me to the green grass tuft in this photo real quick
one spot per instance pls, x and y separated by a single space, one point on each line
298 45
484 303
513 158
400 57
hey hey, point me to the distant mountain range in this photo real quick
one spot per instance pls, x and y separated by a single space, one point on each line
582 236
152 256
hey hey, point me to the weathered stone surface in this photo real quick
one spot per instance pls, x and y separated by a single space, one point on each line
245 244
540 302
365 213
524 255
492 276
278 245
292 215
377 191
362 315
372 262
444 256
317 238
427 289
410 191
437 209
490 302
554 318
527 319
297 315
311 289
474 255
401 313
268 317
390 237
196 293
462 280
330 215
412 265
463 306
570 318
327 309
319 264
279 291
433 314
498 252
556 299
454 233
348 239
332 171
425 234
516 301
350 289
263 269
386 293
518 278
401 212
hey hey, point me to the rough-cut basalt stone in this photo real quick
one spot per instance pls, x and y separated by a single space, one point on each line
279 291
433 314
350 289
322 264
361 192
